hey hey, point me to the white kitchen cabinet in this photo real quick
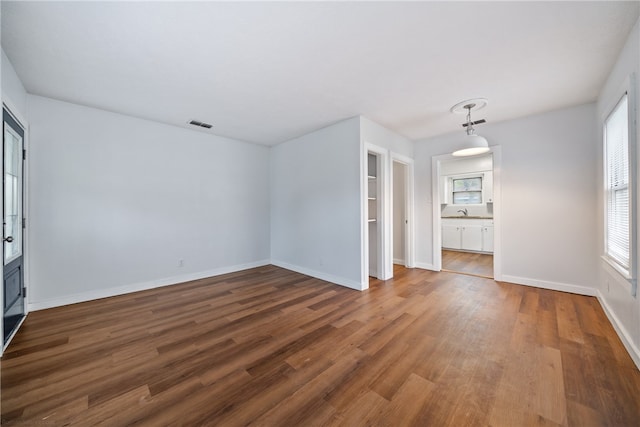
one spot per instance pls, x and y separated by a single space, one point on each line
467 234
487 238
472 237
451 237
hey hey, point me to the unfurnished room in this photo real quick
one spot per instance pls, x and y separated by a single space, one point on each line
327 213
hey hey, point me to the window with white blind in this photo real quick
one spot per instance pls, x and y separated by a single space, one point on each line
617 179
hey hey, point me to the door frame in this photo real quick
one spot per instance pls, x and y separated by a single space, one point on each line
385 211
409 241
496 150
26 261
385 271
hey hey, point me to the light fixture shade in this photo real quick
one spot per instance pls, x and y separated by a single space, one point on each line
472 145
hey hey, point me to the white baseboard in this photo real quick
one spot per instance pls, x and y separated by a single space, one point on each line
622 332
554 286
425 266
399 261
319 275
135 287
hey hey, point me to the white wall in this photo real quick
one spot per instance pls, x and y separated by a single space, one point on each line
373 133
117 201
463 165
548 197
622 308
315 204
12 88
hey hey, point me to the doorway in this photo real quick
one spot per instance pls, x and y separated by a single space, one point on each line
465 214
399 213
378 212
13 223
402 210
375 214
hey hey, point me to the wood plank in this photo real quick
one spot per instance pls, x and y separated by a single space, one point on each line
468 263
568 326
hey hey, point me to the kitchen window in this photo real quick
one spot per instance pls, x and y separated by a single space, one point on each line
467 191
618 195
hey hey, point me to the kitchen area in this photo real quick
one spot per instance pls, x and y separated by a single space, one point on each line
466 211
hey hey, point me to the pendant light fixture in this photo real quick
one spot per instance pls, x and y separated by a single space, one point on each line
471 144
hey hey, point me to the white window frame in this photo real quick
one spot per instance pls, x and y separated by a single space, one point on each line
630 273
450 191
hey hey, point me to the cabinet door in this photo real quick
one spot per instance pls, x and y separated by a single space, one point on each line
487 239
472 237
451 237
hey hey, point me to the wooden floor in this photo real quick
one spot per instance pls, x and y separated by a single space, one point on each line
275 348
468 263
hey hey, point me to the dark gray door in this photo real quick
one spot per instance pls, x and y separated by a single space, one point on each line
12 224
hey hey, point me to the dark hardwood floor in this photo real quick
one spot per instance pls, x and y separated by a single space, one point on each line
473 263
271 347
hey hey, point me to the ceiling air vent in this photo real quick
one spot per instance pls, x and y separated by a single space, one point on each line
201 124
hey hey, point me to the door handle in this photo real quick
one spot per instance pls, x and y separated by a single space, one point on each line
8 239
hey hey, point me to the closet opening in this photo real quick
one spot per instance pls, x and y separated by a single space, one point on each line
375 213
387 181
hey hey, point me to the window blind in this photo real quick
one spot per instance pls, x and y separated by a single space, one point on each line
616 134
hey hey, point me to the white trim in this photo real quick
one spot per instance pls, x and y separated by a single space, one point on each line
496 150
554 286
437 207
622 332
628 87
135 287
425 266
319 275
385 270
399 261
625 281
364 222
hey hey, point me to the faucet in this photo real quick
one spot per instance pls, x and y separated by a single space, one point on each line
464 211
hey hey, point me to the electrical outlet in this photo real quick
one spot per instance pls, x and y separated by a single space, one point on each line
180 263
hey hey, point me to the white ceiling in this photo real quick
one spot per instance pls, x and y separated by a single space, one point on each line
266 72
